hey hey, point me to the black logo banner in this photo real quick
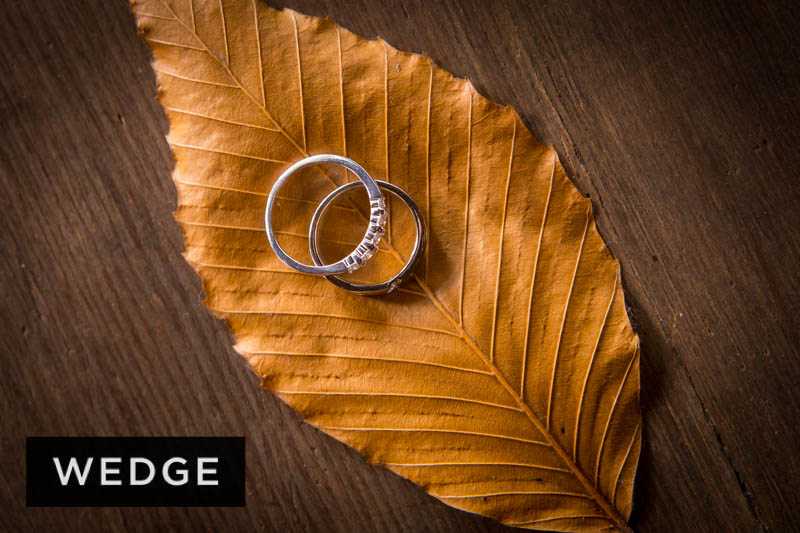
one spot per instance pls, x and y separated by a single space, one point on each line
135 471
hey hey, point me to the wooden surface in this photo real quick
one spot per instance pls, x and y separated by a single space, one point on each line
680 122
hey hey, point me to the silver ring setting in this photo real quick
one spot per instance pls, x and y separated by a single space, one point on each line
375 229
408 268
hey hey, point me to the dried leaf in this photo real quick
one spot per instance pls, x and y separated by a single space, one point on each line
504 379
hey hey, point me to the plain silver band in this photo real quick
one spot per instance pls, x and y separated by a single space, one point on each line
395 281
372 236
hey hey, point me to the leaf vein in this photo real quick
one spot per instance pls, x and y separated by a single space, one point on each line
260 230
555 518
257 193
299 80
399 395
260 60
176 45
217 119
589 370
520 465
622 465
191 11
533 280
386 132
195 80
611 414
466 213
224 33
428 171
502 237
386 359
512 493
341 99
223 152
157 17
436 430
564 320
339 317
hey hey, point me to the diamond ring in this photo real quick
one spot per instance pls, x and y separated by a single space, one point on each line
408 268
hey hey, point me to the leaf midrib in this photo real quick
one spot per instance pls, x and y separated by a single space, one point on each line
615 517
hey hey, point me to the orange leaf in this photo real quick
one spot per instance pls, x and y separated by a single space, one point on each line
504 378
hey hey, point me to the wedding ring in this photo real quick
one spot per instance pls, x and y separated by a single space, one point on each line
375 229
408 268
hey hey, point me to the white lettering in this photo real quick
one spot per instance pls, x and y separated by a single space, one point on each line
150 466
183 472
105 470
201 472
73 467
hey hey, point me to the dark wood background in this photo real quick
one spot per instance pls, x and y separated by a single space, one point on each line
679 120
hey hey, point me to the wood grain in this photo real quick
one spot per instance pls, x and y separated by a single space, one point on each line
679 122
